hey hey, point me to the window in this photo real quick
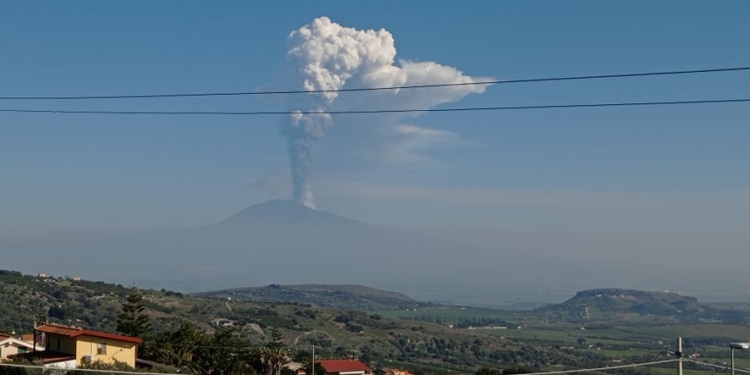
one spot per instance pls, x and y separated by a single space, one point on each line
101 348
22 350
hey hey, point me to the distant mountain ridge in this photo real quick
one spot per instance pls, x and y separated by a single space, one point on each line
275 242
639 301
630 305
285 212
348 297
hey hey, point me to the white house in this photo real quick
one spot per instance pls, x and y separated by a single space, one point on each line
12 346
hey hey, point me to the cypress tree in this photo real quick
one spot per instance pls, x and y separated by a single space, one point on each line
133 321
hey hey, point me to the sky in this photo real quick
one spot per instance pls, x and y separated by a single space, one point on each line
678 173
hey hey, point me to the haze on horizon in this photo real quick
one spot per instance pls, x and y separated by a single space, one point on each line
536 204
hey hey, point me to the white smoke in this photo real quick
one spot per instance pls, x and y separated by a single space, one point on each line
323 55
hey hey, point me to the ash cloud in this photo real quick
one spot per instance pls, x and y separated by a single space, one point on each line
324 55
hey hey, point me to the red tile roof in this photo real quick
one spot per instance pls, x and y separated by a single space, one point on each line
75 332
344 365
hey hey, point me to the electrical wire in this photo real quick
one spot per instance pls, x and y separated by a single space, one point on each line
717 366
603 368
404 87
375 111
535 373
81 370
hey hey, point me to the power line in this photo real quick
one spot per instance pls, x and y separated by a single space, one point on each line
376 111
81 370
603 368
147 373
717 366
364 89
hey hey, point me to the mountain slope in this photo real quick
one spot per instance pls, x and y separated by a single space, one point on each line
348 297
374 338
285 212
277 242
637 301
631 306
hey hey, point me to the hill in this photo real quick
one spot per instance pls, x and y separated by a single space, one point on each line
338 333
285 212
636 301
347 297
260 245
624 323
634 306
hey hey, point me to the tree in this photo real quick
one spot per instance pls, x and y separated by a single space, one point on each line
488 371
179 348
304 356
133 321
517 370
225 353
273 356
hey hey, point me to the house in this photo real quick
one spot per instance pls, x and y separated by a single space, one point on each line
71 347
11 346
29 338
297 368
394 371
345 367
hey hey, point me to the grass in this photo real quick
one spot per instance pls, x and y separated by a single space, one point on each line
453 313
729 332
384 336
626 352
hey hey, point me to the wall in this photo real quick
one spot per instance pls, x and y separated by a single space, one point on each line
67 344
64 364
117 351
7 348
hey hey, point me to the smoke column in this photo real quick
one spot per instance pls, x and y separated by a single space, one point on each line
323 55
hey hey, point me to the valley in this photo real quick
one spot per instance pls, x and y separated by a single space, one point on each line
594 328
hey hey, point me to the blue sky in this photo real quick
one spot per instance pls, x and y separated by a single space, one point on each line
678 168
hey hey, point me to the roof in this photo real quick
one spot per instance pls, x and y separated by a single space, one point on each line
13 340
344 365
76 332
294 366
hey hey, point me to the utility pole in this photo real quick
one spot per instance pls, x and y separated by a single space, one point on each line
313 360
679 355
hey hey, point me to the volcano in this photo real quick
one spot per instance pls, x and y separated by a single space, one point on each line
279 241
286 212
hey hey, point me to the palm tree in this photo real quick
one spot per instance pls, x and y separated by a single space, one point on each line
273 356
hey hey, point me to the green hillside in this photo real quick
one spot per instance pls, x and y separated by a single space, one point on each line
625 306
336 332
348 297
594 328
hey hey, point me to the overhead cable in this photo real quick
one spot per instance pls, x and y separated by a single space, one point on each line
375 111
365 89
145 373
717 366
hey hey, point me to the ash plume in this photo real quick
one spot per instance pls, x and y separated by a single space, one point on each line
323 55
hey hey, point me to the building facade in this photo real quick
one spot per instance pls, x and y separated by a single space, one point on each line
85 346
12 346
345 367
